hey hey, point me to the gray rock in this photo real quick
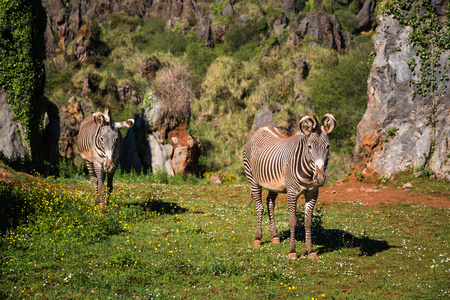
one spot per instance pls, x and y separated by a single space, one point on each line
204 32
228 9
263 118
366 17
407 185
161 160
10 144
324 30
390 104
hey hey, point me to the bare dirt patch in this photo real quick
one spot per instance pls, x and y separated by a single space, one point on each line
356 191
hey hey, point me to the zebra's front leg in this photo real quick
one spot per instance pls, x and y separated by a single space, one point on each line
270 207
311 198
91 170
101 185
292 206
256 196
109 189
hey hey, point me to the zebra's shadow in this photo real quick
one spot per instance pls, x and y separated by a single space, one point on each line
154 205
329 240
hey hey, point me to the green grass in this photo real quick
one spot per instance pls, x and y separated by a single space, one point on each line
193 241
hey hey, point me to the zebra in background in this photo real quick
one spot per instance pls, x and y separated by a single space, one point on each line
294 165
100 143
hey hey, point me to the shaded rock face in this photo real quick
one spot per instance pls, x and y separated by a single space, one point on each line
325 30
136 153
394 134
49 148
70 117
10 145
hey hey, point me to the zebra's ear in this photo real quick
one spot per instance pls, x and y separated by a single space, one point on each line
99 119
107 114
125 124
306 125
329 123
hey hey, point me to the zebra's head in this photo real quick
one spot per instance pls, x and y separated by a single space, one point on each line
317 144
109 140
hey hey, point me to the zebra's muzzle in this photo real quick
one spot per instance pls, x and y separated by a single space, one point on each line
319 177
108 165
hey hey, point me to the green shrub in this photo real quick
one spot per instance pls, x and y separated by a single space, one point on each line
200 57
342 91
347 19
426 172
391 131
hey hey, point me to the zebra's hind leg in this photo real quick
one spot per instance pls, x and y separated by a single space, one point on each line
256 196
270 207
311 199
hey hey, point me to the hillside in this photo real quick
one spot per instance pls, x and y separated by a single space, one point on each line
238 58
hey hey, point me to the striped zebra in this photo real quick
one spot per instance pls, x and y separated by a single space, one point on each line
294 165
100 143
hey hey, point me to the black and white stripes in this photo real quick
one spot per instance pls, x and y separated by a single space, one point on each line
100 143
294 165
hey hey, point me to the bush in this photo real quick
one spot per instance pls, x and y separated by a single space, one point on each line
342 91
347 19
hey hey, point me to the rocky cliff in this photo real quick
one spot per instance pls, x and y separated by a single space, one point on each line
402 130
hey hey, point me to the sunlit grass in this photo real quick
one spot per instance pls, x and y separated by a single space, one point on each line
192 241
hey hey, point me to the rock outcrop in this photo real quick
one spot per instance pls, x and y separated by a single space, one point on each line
367 21
70 117
10 145
324 30
395 133
73 21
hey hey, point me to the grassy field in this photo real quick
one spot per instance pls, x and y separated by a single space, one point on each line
191 241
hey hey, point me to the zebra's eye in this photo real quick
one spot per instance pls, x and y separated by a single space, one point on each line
309 147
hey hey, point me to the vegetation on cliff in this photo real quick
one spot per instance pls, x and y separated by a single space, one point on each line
22 73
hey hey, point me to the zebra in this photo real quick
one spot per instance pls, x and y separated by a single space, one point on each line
100 143
294 165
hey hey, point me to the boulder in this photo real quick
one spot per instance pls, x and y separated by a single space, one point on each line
160 156
263 118
204 32
366 16
10 145
324 30
149 68
228 9
395 133
289 6
186 151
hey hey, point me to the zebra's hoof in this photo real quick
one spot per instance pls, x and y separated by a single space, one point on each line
257 243
276 241
313 255
292 255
